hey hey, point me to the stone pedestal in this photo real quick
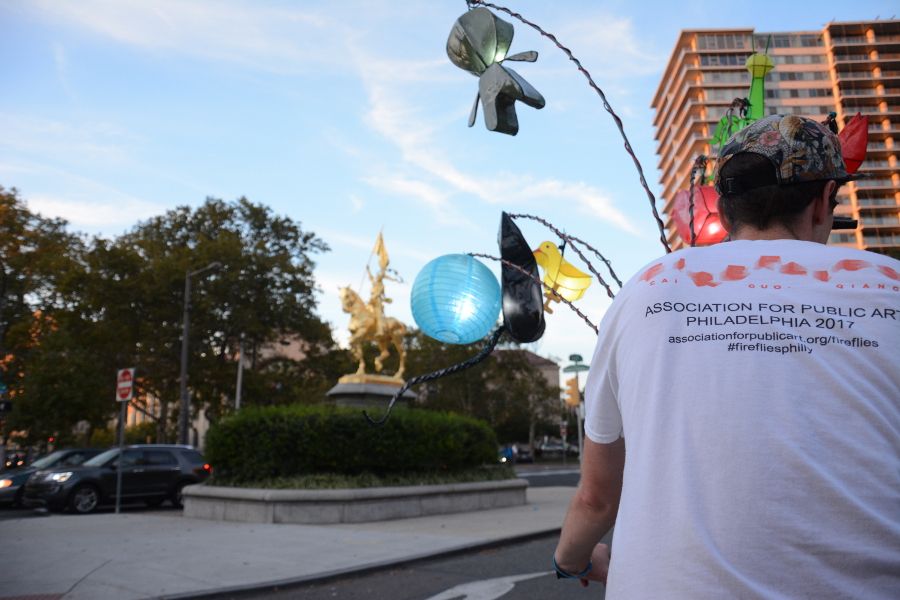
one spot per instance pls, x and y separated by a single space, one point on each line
319 507
368 392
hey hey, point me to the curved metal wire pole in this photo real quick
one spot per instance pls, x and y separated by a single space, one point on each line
513 265
483 354
637 163
571 239
699 165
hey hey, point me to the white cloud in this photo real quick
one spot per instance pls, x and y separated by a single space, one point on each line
251 34
390 115
609 46
61 62
118 211
426 194
46 138
590 200
367 243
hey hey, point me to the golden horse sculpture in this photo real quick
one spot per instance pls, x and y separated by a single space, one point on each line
364 328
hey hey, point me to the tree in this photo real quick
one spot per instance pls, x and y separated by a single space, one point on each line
38 259
74 311
133 291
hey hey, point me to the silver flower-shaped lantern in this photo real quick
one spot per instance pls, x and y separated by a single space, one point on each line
478 43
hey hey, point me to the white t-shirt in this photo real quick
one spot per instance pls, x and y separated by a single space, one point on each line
757 386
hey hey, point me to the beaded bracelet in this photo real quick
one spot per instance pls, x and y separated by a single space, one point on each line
563 574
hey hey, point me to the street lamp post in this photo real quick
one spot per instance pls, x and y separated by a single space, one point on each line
184 416
577 368
240 375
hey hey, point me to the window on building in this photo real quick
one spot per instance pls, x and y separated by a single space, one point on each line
797 93
715 60
727 41
799 59
842 238
810 40
724 94
781 41
803 76
726 77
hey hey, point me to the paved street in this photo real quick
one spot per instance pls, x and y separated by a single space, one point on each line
7 513
159 553
550 477
519 571
95 554
15 513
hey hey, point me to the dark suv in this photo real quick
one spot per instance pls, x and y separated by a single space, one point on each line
12 482
150 474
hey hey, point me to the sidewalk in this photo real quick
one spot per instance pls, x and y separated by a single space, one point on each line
164 555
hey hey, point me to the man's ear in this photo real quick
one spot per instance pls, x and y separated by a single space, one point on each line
822 208
726 224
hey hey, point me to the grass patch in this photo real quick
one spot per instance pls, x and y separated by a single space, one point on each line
329 481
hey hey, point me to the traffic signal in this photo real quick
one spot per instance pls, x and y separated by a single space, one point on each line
573 396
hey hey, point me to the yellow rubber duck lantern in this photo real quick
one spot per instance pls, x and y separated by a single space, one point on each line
560 276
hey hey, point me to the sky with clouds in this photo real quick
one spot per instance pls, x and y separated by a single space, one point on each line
348 117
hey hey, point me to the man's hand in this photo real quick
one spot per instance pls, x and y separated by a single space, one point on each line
600 565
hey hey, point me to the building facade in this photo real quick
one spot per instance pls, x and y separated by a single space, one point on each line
844 68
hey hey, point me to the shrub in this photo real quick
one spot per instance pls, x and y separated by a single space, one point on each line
287 441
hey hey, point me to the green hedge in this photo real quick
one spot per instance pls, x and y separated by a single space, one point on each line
285 441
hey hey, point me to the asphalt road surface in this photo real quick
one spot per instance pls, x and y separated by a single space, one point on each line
26 513
557 476
521 571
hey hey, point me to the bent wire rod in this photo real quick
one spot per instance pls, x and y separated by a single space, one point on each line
571 239
699 166
513 265
483 354
606 106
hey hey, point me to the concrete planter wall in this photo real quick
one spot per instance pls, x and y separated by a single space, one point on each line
348 505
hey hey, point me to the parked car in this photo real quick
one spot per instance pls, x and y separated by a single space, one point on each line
554 449
151 473
514 454
12 482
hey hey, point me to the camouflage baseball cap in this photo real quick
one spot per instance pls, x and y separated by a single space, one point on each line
799 148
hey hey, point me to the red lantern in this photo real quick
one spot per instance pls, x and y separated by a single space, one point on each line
707 225
854 140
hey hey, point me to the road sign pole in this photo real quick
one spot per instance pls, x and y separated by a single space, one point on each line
122 416
124 394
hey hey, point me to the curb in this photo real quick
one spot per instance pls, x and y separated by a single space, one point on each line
282 584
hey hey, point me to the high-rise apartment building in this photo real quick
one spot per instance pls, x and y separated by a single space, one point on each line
845 68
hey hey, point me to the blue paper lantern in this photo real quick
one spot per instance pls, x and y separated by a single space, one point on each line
455 299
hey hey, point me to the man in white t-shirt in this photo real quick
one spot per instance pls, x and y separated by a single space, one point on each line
756 387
